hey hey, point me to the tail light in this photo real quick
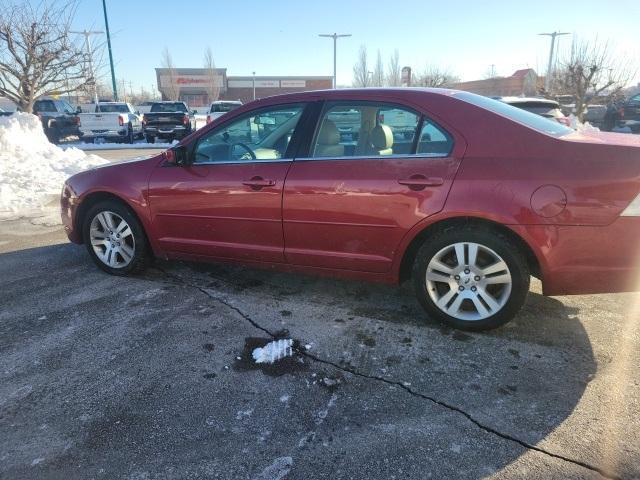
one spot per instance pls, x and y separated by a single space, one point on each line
120 121
185 119
621 112
208 119
77 121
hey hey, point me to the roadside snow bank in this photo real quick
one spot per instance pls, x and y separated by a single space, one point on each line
32 170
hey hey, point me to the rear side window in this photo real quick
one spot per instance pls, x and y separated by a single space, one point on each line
434 141
635 100
365 129
370 129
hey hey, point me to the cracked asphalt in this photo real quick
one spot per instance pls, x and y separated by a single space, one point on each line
150 377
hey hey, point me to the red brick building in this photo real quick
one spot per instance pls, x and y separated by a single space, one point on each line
524 82
196 85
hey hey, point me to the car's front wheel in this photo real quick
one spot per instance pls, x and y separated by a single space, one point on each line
471 277
115 239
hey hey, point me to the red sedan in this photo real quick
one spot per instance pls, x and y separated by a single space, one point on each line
465 195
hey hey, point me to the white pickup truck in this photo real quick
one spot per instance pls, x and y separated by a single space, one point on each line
112 121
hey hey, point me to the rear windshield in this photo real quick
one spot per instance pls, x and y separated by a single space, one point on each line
528 119
112 108
223 107
168 107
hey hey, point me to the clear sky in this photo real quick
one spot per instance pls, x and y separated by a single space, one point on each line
278 37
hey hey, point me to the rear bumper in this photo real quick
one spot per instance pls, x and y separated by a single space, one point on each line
121 133
578 260
164 132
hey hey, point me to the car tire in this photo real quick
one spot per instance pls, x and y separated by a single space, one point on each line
150 139
118 249
470 295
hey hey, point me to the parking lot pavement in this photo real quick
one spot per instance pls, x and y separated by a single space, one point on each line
151 377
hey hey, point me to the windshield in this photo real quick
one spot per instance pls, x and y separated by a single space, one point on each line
523 117
112 108
168 107
223 107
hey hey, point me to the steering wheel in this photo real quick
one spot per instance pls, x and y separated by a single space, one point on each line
248 155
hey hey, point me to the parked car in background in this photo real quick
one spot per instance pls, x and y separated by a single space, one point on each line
113 121
468 217
168 121
630 117
5 114
540 106
59 119
220 107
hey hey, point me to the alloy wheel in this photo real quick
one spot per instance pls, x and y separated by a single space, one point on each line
112 239
468 281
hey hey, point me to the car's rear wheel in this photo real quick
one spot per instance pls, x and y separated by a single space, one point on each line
472 278
150 139
115 239
130 137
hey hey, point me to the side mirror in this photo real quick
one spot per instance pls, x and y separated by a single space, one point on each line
177 155
78 110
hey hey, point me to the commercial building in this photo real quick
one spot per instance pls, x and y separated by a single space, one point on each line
524 82
198 86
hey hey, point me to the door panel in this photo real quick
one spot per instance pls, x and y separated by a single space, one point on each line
220 210
352 214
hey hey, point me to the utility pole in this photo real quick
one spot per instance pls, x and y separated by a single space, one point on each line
553 35
87 43
335 37
113 72
254 84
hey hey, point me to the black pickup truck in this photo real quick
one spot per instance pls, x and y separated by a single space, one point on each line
59 119
168 121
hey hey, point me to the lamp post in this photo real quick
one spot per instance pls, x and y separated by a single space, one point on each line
87 43
254 84
553 35
113 72
335 37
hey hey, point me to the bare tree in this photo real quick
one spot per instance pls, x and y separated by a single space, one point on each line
589 71
436 77
377 79
169 83
394 76
213 84
37 55
361 69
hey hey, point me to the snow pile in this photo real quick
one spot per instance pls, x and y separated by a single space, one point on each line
273 351
581 127
32 170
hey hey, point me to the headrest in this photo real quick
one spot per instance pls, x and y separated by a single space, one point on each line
381 137
329 134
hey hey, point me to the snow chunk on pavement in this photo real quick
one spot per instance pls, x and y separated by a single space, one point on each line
32 170
277 470
273 351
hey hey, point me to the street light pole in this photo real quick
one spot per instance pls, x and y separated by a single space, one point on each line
254 84
553 35
113 73
335 37
87 42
